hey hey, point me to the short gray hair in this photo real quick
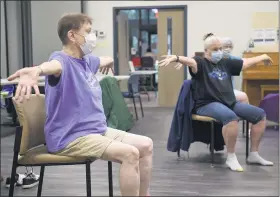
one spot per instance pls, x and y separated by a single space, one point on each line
209 41
227 41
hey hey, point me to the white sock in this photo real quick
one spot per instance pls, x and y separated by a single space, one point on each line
254 157
233 163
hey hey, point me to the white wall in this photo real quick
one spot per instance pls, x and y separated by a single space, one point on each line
45 39
232 18
14 36
3 43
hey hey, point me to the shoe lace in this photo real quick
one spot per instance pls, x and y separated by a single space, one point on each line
29 174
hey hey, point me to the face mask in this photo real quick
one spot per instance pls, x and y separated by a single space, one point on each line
226 53
90 44
216 56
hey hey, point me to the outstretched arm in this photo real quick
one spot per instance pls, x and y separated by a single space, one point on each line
181 60
188 62
53 67
248 62
105 60
106 63
29 76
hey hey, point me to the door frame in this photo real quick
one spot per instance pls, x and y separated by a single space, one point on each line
116 10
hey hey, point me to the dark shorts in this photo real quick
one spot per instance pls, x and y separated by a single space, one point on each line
223 114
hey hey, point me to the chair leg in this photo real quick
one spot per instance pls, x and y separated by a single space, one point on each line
140 101
212 143
13 180
243 128
133 99
39 191
247 140
146 92
178 153
88 179
110 178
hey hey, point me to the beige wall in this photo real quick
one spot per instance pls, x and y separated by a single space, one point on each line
233 19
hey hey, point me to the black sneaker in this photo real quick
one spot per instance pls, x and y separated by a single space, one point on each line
19 180
30 181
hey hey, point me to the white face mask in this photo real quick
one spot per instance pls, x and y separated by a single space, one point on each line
90 43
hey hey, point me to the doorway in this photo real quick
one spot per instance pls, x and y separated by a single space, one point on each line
153 29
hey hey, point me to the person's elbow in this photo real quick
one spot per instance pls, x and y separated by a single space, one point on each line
193 66
246 63
53 67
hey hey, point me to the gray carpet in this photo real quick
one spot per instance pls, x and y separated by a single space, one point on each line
191 177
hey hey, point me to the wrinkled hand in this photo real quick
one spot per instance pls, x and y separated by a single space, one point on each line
108 65
267 60
169 59
28 79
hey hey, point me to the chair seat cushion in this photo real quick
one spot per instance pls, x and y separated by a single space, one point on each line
205 118
202 118
40 155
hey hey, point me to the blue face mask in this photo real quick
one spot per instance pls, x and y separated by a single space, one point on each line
226 53
216 56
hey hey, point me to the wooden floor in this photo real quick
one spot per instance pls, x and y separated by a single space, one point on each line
191 177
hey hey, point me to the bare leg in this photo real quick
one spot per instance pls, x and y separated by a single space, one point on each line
230 132
242 97
128 156
256 135
145 147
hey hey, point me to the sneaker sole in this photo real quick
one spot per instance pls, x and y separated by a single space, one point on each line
30 186
16 185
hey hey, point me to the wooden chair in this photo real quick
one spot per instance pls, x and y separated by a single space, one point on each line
212 130
30 147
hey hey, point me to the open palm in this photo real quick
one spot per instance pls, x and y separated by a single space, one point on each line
169 59
104 69
28 79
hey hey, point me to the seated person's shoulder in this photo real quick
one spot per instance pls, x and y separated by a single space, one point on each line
93 61
57 54
234 58
91 57
61 58
199 59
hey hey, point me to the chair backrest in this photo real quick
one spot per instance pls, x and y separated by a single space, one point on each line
131 66
133 84
32 115
147 62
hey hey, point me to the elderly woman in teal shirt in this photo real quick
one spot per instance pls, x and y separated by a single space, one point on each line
227 49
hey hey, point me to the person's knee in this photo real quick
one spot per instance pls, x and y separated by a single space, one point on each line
230 119
245 98
242 97
147 146
131 155
259 117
